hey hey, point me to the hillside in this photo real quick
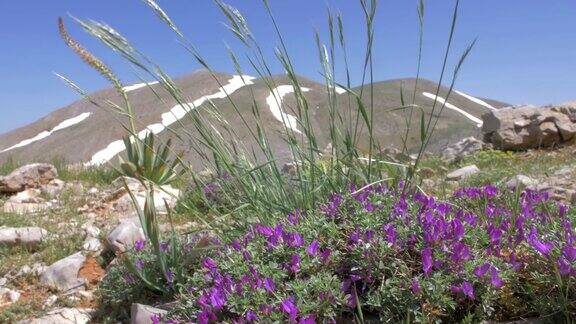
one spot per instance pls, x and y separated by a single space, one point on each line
84 133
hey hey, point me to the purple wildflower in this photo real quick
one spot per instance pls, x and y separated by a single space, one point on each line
294 266
310 319
325 254
468 289
368 235
247 256
139 264
217 299
289 307
569 252
164 247
369 207
427 260
354 237
543 248
312 249
169 276
251 316
331 209
269 285
129 279
236 245
211 188
415 286
139 245
457 229
206 316
295 240
495 278
495 234
264 230
294 217
460 252
564 267
155 318
490 191
481 271
209 263
391 234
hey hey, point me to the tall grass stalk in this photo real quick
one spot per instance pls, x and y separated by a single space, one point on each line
259 186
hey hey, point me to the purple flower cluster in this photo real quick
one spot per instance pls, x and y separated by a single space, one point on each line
213 300
476 241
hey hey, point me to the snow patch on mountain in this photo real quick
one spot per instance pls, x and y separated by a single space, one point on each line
476 100
65 124
274 101
138 86
340 90
448 105
176 113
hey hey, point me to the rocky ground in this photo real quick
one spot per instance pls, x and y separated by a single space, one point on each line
57 238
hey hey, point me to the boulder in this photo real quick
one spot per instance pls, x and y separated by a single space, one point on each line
457 151
25 236
54 188
28 176
525 127
63 274
462 173
143 314
26 202
125 235
122 203
521 182
63 316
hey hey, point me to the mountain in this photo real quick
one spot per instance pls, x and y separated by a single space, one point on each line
85 133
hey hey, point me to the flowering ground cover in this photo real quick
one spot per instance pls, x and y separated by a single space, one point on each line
379 253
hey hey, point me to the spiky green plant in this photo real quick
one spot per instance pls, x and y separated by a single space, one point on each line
147 162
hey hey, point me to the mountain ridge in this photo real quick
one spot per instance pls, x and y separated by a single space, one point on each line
80 140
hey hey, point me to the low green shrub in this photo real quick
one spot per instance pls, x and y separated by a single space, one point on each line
375 253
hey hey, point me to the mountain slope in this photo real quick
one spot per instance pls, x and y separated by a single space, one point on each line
84 133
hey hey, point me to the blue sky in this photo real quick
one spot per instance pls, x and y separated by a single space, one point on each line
526 50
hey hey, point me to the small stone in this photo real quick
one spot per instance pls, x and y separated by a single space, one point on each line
54 188
521 182
25 270
142 314
26 202
86 295
457 151
63 274
76 188
93 191
24 236
91 230
428 183
8 296
50 301
38 269
426 172
63 316
463 173
124 235
92 244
